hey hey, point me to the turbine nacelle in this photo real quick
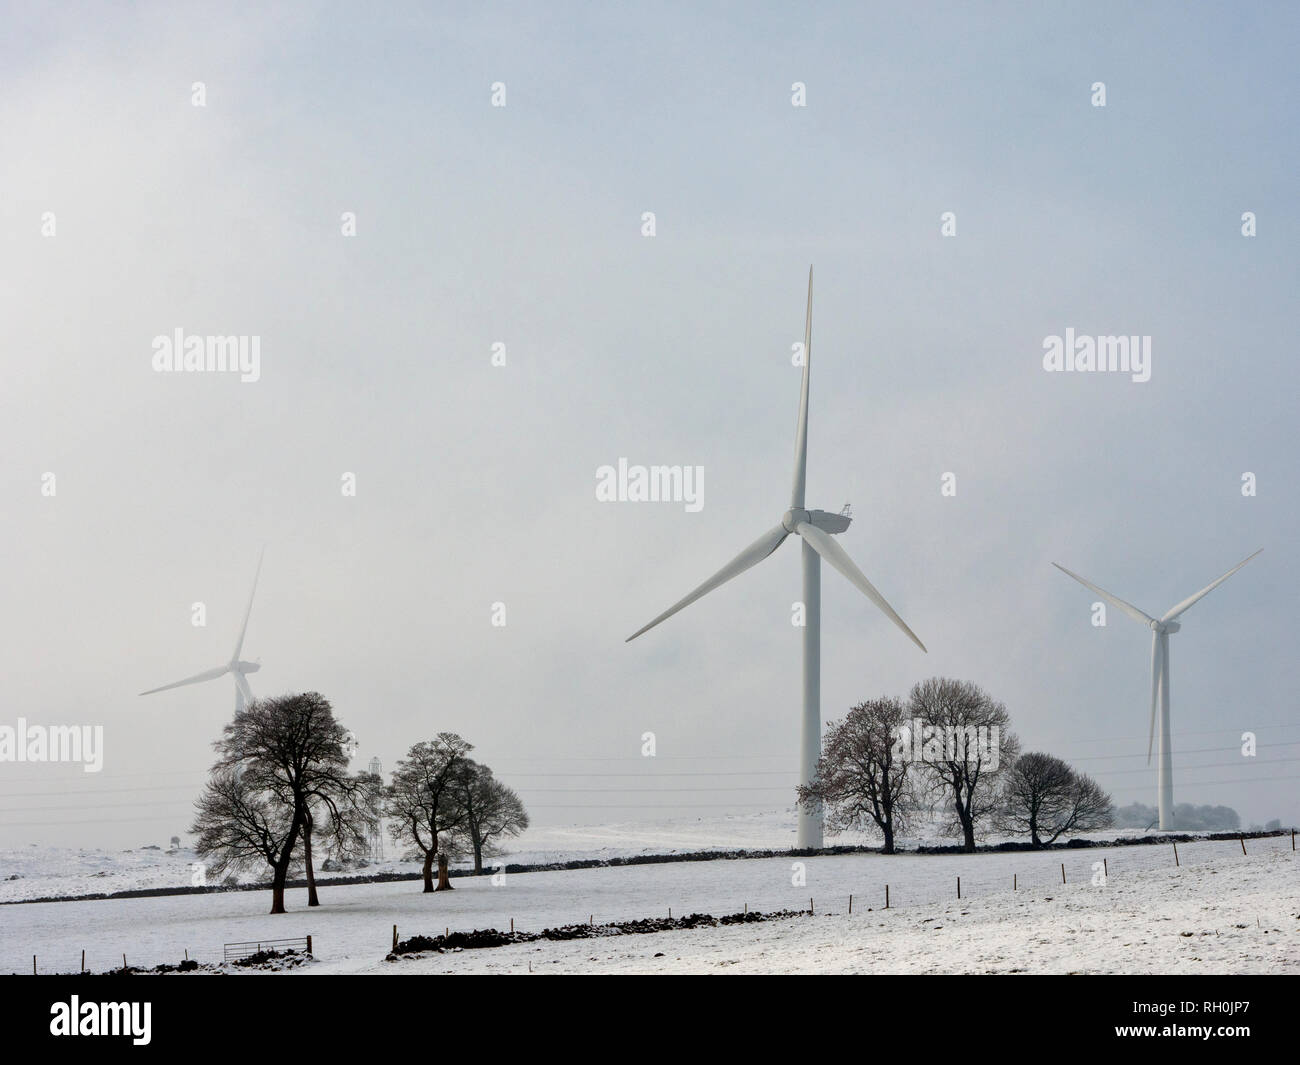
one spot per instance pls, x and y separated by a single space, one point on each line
245 667
821 519
1165 627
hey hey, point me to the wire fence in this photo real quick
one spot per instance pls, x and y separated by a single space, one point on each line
866 883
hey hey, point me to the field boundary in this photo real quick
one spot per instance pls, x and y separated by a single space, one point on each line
738 854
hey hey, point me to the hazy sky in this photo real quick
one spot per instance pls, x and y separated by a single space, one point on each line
476 483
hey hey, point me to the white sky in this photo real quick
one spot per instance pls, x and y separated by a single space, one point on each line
476 484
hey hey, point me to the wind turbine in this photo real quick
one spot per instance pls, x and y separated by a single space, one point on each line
1161 629
815 528
236 667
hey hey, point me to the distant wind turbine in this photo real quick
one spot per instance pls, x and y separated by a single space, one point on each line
1161 629
236 667
815 528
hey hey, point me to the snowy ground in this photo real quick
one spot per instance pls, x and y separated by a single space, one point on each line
1148 917
36 872
1194 920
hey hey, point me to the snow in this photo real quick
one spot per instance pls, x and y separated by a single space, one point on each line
64 872
1150 916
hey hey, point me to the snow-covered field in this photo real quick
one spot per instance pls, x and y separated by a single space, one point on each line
1148 917
40 872
37 872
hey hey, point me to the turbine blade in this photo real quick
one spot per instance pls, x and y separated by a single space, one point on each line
824 544
751 556
239 646
1113 600
1157 664
801 426
241 682
198 678
1176 610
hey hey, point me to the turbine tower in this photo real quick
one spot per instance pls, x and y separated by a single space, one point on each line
1161 629
375 837
815 528
235 667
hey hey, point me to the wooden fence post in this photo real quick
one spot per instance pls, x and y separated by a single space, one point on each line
1243 844
1175 853
886 896
394 939
850 904
959 887
309 944
1062 872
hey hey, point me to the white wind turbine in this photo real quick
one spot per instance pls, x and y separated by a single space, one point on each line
236 667
1161 629
815 527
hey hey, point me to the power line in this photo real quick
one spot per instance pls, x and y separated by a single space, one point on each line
630 777
1211 783
77 773
1199 750
1205 765
684 805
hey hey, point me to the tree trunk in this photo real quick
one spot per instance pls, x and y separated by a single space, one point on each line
478 858
281 867
888 829
444 881
428 871
312 899
967 822
277 886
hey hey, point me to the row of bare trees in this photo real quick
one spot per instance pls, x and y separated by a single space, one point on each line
281 788
948 746
441 802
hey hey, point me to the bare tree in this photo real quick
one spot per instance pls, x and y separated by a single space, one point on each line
966 744
491 810
863 775
422 803
1044 796
241 824
276 758
341 812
